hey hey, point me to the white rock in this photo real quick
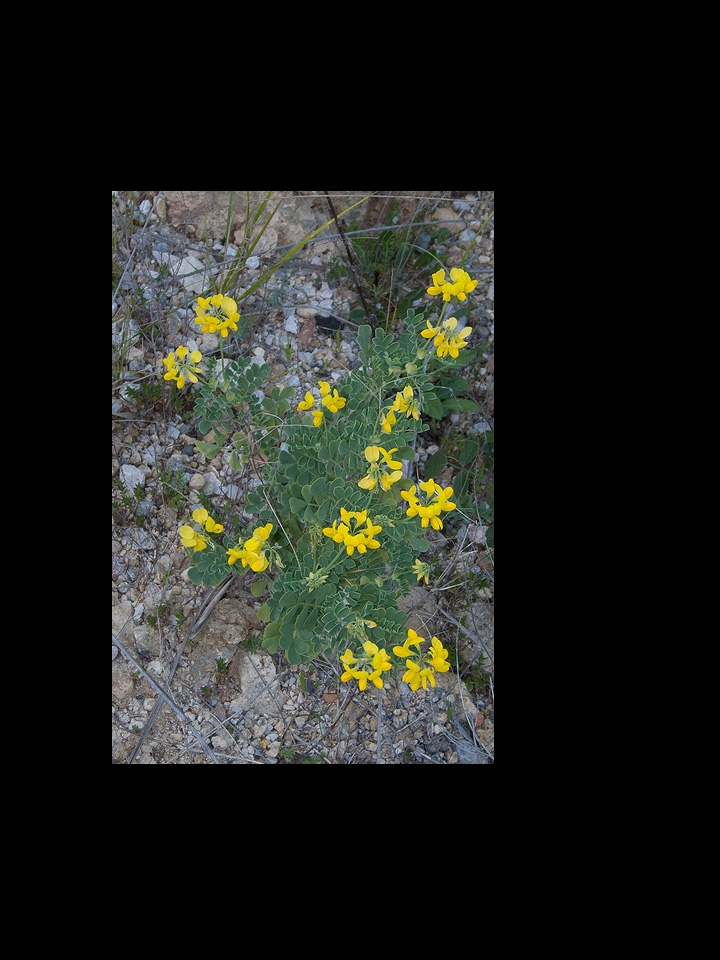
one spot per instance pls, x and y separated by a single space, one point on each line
212 484
476 533
132 476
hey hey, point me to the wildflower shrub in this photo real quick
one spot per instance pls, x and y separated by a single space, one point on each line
339 525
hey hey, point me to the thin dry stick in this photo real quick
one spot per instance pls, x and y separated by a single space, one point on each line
161 693
462 629
379 726
208 605
351 259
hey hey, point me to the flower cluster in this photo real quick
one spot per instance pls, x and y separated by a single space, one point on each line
351 533
423 667
404 402
191 538
378 472
368 665
180 365
420 668
331 400
254 552
460 284
217 314
446 339
436 501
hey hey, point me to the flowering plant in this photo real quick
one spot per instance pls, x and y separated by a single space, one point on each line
340 522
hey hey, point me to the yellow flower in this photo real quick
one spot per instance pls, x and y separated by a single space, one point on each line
438 283
256 561
377 473
422 570
201 516
217 314
416 675
333 402
351 533
437 656
190 537
369 533
179 368
454 344
308 403
348 658
254 552
380 661
458 286
411 640
335 532
447 340
420 672
388 421
431 331
405 403
370 664
436 501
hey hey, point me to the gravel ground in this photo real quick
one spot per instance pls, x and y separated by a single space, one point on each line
190 681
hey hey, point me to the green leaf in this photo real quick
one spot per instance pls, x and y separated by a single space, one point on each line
319 489
271 638
297 506
257 589
264 614
467 405
469 452
434 409
435 464
363 338
458 384
404 453
210 450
